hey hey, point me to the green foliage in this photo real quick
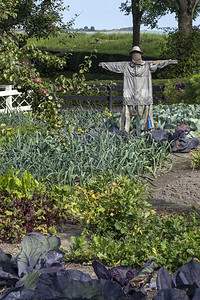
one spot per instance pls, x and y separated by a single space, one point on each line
148 12
185 50
37 19
168 116
7 9
106 203
11 183
19 122
192 89
27 206
16 68
110 44
125 230
183 90
174 93
73 158
78 80
81 151
110 47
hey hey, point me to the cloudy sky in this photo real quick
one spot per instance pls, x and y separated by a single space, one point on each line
105 14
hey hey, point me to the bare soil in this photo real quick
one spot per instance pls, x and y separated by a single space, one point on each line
174 192
179 188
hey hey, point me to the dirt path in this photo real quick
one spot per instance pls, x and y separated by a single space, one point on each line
178 189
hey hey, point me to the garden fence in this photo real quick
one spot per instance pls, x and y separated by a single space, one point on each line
110 98
12 100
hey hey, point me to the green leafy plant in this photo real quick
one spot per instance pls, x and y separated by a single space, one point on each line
174 93
19 68
72 156
105 204
195 163
184 50
27 206
122 228
170 240
168 116
11 183
192 90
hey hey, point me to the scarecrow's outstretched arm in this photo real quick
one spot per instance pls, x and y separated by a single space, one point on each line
159 64
171 61
117 67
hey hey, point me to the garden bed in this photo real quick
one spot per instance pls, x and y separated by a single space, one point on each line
174 192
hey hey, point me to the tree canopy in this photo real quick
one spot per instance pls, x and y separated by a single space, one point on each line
148 13
39 18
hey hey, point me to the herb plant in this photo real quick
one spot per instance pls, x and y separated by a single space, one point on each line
122 228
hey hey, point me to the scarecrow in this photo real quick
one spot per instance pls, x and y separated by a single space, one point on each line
137 88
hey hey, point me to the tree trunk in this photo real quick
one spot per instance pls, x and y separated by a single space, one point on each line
185 16
137 15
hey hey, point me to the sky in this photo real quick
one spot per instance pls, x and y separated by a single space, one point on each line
105 14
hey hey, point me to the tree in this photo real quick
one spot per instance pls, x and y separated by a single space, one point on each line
145 12
21 64
36 18
148 12
182 44
186 12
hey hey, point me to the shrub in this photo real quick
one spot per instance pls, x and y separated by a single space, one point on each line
192 89
106 204
170 240
173 92
122 228
185 50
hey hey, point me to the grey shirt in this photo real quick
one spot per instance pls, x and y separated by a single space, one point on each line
137 88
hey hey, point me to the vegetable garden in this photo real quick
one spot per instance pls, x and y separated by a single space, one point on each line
90 174
76 166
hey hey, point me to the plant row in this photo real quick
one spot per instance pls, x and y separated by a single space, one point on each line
38 272
119 226
107 195
79 155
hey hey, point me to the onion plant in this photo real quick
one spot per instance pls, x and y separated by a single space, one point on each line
70 158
